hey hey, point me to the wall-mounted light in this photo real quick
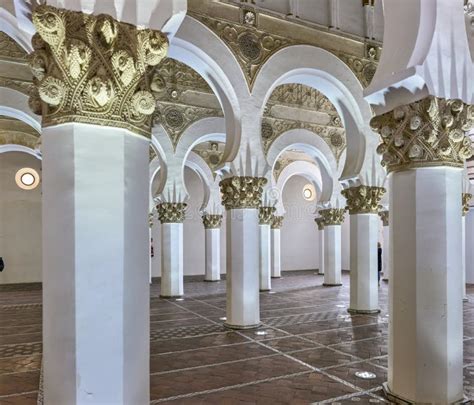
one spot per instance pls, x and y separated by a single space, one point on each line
309 193
27 178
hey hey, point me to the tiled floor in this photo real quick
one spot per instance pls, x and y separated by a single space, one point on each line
309 353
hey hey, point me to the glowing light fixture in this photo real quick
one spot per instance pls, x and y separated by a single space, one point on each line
309 193
27 178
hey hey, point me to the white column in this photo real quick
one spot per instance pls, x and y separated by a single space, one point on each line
95 265
332 255
243 306
276 252
171 260
386 263
213 254
265 255
364 296
463 257
320 223
156 259
470 251
426 324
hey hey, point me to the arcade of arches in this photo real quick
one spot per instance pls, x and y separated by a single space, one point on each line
236 201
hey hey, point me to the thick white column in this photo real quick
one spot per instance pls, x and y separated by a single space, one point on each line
171 260
265 256
213 254
95 265
320 223
364 295
425 350
386 263
463 257
276 246
332 255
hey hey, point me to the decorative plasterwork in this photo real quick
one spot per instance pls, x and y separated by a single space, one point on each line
277 222
429 132
175 117
332 216
466 197
241 192
384 216
212 153
363 199
212 221
9 49
320 223
93 69
16 132
251 46
171 212
265 215
22 86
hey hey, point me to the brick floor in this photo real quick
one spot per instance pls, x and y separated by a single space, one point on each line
310 352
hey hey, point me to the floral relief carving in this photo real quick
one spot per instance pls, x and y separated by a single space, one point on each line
93 69
171 212
363 199
240 192
265 215
384 216
466 198
332 216
212 221
277 221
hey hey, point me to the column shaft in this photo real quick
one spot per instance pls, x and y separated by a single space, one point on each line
95 265
213 254
265 257
243 307
321 251
426 324
364 296
276 252
332 255
172 260
386 262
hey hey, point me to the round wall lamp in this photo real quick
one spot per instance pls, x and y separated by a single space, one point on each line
27 178
309 192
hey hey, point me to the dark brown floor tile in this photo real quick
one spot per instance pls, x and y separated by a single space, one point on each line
348 334
365 349
185 382
289 344
322 357
347 373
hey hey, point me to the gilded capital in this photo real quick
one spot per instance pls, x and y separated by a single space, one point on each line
384 216
466 197
277 221
212 221
428 132
171 212
265 215
363 199
93 69
332 216
242 192
320 222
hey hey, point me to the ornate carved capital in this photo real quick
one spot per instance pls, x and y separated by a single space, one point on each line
93 69
466 197
384 216
265 215
151 219
242 192
212 221
429 132
320 222
363 199
171 212
277 221
332 216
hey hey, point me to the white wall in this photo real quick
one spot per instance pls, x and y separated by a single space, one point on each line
470 247
20 222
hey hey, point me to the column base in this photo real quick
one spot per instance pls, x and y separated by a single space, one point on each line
170 296
403 401
211 281
363 311
243 327
331 285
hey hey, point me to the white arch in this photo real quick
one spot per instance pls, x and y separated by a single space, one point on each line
308 170
20 148
315 147
325 72
21 35
198 47
15 104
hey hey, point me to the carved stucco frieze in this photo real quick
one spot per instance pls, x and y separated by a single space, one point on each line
171 212
240 192
175 118
10 50
265 215
320 223
466 198
277 221
363 199
332 216
212 153
212 221
385 217
18 138
93 69
429 132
